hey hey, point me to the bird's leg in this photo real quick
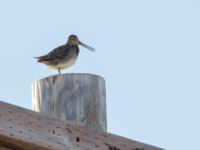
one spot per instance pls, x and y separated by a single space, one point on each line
59 71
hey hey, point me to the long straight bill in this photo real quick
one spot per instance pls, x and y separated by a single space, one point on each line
86 46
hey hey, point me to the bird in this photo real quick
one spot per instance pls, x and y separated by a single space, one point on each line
65 55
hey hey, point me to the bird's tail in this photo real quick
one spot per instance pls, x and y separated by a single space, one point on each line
43 59
39 59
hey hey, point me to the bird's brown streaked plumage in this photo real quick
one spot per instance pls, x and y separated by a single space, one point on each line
65 55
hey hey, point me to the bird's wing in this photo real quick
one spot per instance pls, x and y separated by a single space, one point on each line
58 53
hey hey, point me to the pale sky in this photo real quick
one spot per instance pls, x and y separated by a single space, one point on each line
147 51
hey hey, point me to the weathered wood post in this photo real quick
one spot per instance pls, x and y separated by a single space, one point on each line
80 98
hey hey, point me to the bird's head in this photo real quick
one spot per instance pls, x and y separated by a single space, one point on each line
73 40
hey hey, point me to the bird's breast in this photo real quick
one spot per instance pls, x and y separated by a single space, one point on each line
64 64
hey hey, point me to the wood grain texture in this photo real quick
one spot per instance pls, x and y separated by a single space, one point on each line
5 148
80 98
23 129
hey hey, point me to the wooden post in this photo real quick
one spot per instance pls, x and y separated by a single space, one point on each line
80 98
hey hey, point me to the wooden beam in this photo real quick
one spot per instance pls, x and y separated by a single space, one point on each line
24 129
5 148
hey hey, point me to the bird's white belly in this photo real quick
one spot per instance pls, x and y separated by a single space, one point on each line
64 65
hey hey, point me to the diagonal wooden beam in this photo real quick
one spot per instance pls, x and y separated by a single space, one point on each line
23 129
